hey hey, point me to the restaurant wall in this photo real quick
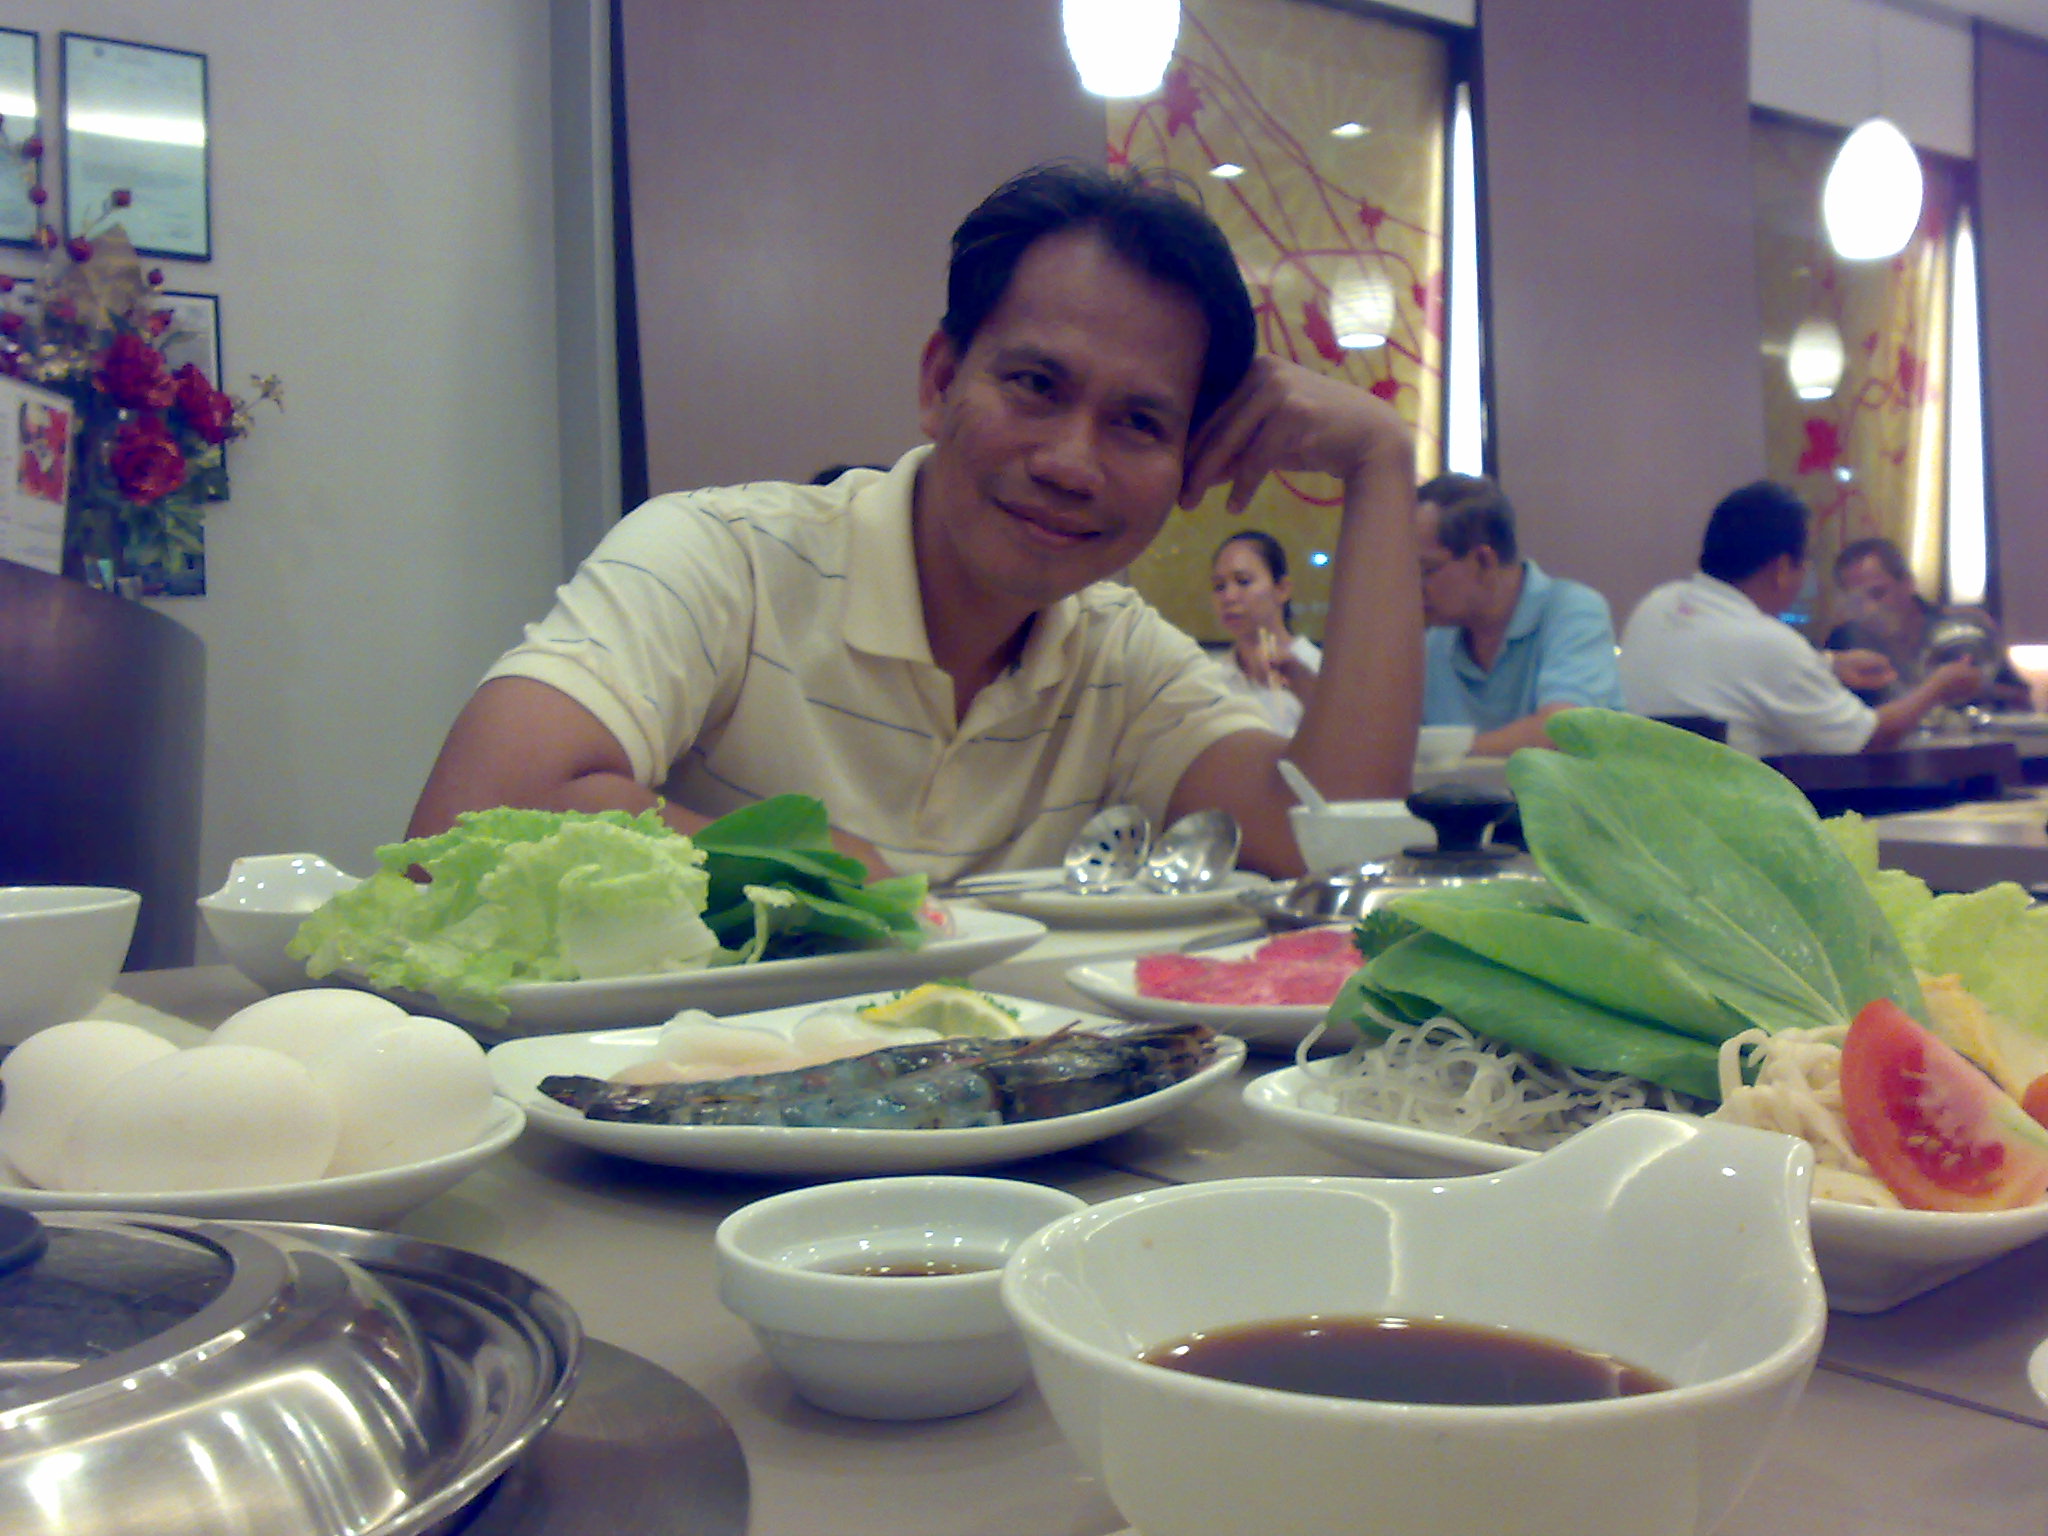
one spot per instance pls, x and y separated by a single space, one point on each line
1621 261
2012 199
381 224
797 167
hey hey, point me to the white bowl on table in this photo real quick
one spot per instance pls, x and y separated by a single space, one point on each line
61 946
1676 1247
1439 746
900 1346
254 915
1355 832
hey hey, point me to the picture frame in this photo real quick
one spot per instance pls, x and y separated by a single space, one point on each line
194 334
21 98
136 121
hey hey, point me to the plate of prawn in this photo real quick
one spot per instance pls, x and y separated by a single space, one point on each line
1059 1057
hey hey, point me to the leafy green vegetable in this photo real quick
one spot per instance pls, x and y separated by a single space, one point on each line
517 895
521 895
1519 1011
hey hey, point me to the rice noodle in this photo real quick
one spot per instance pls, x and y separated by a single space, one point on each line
1439 1076
1798 1090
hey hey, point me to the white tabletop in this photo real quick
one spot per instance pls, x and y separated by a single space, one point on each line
1919 1422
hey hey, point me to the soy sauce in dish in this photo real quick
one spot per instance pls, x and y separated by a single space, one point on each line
908 1268
1404 1360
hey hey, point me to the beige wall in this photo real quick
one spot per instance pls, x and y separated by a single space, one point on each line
797 167
382 218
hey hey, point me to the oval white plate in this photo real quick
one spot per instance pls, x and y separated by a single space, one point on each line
353 1200
519 1065
1143 909
551 1007
1272 1027
1870 1259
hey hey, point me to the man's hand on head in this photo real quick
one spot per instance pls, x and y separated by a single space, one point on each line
1287 417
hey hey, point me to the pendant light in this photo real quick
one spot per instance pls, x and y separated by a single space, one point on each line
1871 201
1815 360
1121 47
1362 310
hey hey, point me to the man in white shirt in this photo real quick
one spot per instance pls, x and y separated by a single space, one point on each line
936 652
1713 645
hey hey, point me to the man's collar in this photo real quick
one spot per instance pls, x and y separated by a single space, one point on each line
884 604
1529 604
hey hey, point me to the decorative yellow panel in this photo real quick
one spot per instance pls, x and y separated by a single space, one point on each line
1327 226
1870 459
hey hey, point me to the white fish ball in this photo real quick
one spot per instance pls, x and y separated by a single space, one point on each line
215 1117
302 1024
417 1090
55 1073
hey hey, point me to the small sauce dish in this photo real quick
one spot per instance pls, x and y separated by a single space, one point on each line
882 1298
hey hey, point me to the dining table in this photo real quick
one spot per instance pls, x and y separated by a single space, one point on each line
1919 1421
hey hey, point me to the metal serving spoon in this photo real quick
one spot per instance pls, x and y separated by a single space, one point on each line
1193 855
1106 853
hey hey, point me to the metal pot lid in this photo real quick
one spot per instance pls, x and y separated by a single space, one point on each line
166 1374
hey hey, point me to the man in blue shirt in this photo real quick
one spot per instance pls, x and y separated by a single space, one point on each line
1508 646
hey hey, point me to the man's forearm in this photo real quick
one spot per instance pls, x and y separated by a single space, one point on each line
1526 732
1356 740
1900 715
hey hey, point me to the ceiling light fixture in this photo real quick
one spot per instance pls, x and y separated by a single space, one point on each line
1121 47
1815 360
1871 201
1227 171
1349 131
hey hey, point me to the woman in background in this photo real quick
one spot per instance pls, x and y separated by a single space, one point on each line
1277 668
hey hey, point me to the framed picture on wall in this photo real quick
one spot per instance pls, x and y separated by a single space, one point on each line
21 96
194 334
135 122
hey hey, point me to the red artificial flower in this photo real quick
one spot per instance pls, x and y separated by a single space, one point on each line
145 460
38 195
10 324
1371 217
207 411
6 283
1182 99
120 197
1823 446
131 373
32 147
156 277
158 322
78 248
1386 389
1316 327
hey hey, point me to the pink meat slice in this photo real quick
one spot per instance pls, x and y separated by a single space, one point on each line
1303 969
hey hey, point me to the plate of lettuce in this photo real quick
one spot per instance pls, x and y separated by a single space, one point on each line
534 922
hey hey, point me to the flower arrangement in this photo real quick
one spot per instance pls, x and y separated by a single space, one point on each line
148 440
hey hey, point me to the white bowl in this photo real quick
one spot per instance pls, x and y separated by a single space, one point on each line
1439 746
891 1347
372 1199
1355 832
61 946
254 915
1676 1247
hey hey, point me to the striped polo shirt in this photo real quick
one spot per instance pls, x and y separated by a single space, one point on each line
762 639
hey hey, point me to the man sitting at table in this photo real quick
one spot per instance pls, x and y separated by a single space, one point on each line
1886 615
1508 645
934 651
1712 645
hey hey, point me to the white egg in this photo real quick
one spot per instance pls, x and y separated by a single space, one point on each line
417 1090
52 1075
303 1024
214 1117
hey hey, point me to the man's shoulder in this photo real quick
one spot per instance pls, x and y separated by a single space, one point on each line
1566 601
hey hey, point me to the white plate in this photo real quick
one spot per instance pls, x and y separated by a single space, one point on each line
1870 1259
353 1200
551 1007
1124 909
519 1065
1276 1027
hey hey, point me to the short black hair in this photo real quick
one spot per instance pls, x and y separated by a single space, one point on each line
1272 554
1883 551
1471 510
1152 219
1750 528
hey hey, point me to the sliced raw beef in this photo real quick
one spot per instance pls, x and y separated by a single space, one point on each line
1300 970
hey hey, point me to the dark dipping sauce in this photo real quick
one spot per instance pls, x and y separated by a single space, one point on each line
909 1269
1405 1360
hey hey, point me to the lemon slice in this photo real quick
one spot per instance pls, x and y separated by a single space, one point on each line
947 1008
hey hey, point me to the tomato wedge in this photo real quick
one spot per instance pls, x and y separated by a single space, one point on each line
1942 1135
